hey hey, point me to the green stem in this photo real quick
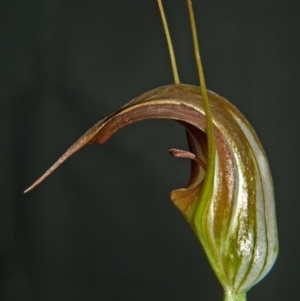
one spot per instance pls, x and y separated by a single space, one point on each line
234 296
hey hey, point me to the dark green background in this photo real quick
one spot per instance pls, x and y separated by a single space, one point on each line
102 226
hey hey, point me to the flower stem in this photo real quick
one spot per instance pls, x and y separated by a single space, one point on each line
234 296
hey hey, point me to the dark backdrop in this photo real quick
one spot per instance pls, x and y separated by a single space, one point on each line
102 226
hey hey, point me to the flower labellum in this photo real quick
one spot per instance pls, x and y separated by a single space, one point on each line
229 199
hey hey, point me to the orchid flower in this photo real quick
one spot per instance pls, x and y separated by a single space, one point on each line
229 201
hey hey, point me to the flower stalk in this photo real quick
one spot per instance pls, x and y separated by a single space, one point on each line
230 295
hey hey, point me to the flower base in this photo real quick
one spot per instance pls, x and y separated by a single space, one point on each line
234 296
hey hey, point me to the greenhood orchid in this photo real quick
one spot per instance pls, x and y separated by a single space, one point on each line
229 199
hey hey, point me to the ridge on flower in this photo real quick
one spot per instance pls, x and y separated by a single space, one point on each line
229 200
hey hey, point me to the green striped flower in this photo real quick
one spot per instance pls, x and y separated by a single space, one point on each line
233 214
236 223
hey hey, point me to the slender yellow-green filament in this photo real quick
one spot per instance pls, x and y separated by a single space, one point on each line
208 116
199 219
169 41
